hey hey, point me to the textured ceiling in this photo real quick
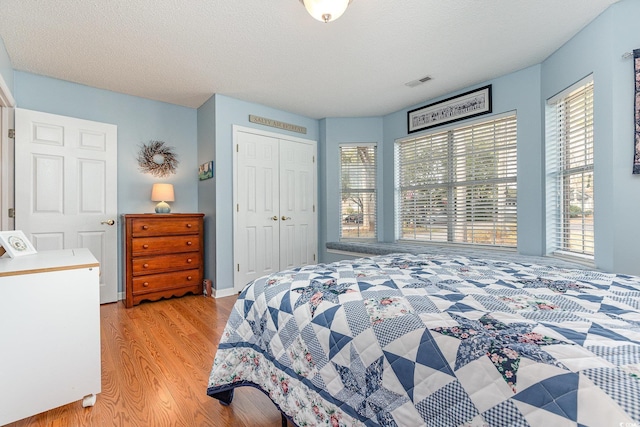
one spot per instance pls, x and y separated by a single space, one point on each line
273 53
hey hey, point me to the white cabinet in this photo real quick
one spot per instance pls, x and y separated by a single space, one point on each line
49 332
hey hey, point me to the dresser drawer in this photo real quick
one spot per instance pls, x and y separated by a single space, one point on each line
164 245
162 226
160 263
155 282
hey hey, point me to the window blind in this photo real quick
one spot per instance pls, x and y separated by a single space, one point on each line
459 185
569 159
358 191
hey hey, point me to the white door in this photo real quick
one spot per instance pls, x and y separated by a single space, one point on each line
66 188
297 204
275 197
256 240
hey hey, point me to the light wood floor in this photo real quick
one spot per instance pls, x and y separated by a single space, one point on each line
156 359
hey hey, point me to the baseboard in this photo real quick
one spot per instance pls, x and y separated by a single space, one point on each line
223 293
121 296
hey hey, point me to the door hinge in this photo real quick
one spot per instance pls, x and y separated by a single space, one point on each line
12 133
238 268
314 257
313 159
12 213
314 208
237 148
238 207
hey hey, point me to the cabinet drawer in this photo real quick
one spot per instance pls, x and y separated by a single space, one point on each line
164 226
164 245
155 282
160 263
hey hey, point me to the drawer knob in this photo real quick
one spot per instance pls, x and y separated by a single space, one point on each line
145 284
188 277
145 227
188 225
145 265
145 246
189 243
188 260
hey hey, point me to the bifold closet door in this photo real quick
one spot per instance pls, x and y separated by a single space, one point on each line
275 192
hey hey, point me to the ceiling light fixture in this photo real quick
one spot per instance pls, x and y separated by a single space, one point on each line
326 10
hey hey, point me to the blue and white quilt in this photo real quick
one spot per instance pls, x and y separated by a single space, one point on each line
413 340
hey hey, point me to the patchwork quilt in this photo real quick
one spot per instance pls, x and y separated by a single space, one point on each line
414 340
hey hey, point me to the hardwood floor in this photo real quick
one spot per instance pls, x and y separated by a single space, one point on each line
156 359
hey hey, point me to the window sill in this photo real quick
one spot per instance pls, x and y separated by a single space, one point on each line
381 248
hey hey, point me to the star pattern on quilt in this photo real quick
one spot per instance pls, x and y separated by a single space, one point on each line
504 344
559 286
322 289
377 401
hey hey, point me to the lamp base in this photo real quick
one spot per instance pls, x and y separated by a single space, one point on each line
163 207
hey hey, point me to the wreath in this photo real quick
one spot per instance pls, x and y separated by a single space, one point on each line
157 159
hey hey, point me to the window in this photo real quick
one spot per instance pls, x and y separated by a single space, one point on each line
358 191
459 185
569 162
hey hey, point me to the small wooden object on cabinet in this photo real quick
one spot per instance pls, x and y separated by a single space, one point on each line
163 256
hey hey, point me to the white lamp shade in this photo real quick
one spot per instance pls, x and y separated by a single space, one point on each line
162 193
326 10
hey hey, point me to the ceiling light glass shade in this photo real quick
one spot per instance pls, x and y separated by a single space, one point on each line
326 10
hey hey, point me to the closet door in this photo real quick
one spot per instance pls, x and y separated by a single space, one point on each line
275 203
297 204
256 235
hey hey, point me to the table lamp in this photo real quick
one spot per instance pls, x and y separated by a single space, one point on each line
162 193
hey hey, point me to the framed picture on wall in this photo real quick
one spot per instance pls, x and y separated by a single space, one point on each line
15 243
466 105
205 171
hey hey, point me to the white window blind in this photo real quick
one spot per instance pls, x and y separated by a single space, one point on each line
569 159
459 185
358 191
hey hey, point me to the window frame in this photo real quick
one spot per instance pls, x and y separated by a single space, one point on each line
453 213
557 202
370 190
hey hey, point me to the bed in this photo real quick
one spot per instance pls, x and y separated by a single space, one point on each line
437 340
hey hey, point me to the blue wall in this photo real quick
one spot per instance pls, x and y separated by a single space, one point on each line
226 113
139 121
206 134
336 131
598 50
517 92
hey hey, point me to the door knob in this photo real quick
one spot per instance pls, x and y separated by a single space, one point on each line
284 218
109 222
274 218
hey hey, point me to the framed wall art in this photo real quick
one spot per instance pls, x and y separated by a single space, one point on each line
15 243
469 104
636 156
205 171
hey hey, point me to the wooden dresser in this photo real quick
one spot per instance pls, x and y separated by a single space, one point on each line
163 255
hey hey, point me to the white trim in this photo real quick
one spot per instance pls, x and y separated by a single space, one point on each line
121 296
224 293
7 104
238 128
6 98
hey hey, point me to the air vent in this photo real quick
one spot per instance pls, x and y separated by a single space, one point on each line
418 82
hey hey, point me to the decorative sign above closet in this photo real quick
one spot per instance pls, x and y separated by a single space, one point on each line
276 124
